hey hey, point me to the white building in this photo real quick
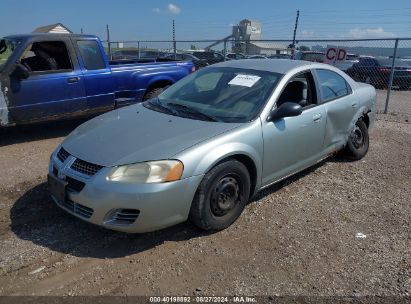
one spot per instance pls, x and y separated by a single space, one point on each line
57 28
246 40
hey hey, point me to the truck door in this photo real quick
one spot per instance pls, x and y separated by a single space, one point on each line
98 80
54 87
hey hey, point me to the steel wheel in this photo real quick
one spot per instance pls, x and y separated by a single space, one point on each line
225 196
357 137
358 142
221 196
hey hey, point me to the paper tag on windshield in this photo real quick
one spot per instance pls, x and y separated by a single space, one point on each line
244 80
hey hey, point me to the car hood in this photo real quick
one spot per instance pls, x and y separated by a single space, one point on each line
136 134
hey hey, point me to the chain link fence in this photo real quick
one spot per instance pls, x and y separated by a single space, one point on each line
383 63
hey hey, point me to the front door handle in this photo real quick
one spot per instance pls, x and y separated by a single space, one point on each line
317 118
354 105
73 79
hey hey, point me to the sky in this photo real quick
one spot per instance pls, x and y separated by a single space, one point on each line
211 19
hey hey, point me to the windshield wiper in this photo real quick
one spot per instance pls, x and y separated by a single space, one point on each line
157 104
189 110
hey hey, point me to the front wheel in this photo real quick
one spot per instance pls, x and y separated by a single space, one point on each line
358 142
221 196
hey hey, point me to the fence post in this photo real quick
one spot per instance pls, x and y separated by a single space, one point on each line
108 42
225 49
138 47
391 76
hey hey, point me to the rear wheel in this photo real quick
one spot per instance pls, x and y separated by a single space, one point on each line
358 142
221 196
152 93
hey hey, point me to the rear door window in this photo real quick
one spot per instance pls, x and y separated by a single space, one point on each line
91 54
332 85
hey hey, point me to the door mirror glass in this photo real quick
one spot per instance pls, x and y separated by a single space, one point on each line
20 72
287 109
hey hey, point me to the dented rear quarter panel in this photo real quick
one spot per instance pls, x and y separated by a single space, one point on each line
343 113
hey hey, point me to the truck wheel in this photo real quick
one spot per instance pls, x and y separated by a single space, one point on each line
221 196
358 142
152 93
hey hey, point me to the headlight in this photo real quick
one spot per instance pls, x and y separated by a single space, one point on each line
149 172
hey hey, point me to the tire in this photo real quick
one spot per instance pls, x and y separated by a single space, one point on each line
358 142
221 197
152 93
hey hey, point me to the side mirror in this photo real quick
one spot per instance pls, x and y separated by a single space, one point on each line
287 109
20 72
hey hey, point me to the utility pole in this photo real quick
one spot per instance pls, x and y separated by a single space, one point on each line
295 31
108 42
81 30
174 41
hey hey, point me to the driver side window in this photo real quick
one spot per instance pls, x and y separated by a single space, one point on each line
300 89
47 56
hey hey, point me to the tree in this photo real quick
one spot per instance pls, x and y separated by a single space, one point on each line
303 48
193 47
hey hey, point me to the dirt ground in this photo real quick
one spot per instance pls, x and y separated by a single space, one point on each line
296 238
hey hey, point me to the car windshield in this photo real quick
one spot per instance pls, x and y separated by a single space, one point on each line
7 46
219 94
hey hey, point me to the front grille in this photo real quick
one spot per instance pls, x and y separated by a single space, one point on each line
74 185
62 155
78 209
85 167
123 216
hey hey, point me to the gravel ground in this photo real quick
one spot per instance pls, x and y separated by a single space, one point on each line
296 238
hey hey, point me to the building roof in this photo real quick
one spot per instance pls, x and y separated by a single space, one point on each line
281 66
48 35
269 45
52 28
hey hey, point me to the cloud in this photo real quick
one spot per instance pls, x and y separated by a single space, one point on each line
307 34
358 33
171 9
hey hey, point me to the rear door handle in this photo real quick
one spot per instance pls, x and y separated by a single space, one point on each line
354 105
317 118
73 79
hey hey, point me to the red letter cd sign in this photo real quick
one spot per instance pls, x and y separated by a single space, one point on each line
334 54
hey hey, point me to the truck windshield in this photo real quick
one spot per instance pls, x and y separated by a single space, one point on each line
7 46
220 94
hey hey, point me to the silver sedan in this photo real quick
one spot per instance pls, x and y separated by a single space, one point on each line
208 143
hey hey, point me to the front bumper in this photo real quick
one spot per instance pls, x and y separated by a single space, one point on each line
106 203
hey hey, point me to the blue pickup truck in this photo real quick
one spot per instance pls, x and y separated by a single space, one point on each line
54 76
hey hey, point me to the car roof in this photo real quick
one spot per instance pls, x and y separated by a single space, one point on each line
281 66
51 35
